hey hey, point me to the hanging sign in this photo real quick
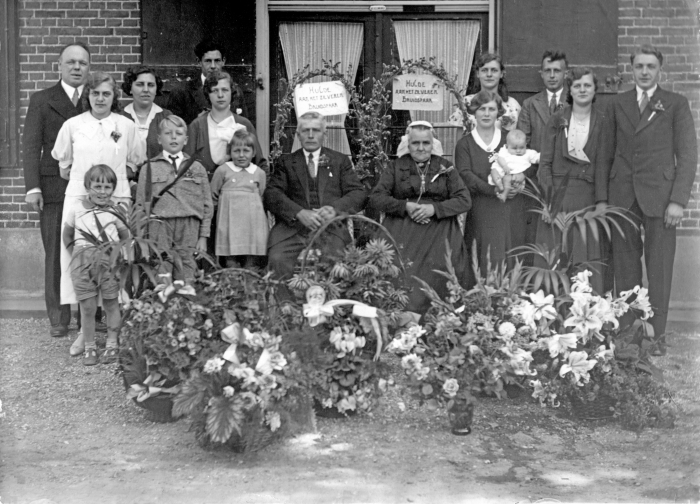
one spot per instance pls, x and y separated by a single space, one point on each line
326 98
417 92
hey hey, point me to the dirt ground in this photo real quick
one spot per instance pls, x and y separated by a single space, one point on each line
70 436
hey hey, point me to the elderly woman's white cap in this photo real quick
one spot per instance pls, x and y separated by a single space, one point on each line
402 149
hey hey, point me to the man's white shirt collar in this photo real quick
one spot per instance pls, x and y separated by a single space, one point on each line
558 93
203 78
70 90
650 92
180 156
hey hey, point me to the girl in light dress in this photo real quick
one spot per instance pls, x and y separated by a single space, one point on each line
237 187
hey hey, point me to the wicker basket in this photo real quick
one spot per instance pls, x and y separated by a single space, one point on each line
600 408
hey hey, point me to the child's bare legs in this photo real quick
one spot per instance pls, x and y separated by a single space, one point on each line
111 308
88 307
506 181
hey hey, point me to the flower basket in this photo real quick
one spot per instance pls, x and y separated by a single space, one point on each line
331 412
160 408
461 416
602 407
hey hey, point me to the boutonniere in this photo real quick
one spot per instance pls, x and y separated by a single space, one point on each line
657 107
560 106
443 170
325 162
564 124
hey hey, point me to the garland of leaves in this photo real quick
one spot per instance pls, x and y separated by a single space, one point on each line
286 104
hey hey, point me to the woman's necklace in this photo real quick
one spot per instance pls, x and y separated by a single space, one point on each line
422 174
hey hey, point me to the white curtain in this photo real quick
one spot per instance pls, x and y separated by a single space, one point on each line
453 44
310 44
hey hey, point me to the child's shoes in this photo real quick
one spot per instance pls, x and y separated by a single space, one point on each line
90 357
110 355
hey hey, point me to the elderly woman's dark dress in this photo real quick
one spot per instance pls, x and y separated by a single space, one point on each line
424 244
495 225
585 186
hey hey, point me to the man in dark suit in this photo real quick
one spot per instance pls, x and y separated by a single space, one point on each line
48 110
651 158
187 99
533 118
307 189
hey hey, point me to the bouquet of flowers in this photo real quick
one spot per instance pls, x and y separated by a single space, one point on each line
236 399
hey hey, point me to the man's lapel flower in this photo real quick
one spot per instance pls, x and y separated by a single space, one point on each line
656 107
323 161
563 123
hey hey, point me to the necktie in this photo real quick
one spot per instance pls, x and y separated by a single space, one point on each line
553 104
173 160
643 102
75 98
312 166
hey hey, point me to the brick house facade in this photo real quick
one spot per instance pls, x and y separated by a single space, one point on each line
113 31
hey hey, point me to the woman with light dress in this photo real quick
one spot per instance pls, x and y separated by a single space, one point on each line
98 136
490 76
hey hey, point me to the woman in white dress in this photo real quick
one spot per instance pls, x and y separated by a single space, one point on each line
98 136
490 75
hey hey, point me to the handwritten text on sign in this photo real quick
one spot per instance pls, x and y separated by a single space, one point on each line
417 92
326 98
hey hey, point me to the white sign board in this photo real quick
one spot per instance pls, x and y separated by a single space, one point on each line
326 98
417 92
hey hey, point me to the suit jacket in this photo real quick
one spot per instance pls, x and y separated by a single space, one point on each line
187 99
198 144
534 116
650 157
48 110
556 162
288 191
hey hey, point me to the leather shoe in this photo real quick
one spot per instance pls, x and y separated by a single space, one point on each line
58 331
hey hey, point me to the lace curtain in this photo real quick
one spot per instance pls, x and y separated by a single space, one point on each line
453 44
309 43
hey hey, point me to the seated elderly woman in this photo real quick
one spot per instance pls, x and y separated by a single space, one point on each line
422 195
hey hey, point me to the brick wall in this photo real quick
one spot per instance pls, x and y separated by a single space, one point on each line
110 28
672 26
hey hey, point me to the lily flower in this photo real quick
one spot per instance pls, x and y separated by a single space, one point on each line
579 365
584 320
560 343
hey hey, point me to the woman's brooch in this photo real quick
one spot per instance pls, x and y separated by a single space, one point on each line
443 170
115 135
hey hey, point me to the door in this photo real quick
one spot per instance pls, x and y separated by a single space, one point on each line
385 38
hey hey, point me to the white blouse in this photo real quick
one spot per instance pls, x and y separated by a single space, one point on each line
85 141
143 127
220 134
577 137
512 111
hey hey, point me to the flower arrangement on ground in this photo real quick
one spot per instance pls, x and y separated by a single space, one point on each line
595 351
470 344
365 297
239 398
172 331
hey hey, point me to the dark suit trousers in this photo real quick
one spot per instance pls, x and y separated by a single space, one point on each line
659 249
50 224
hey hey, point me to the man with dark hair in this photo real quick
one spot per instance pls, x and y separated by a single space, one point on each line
650 159
534 115
48 110
187 99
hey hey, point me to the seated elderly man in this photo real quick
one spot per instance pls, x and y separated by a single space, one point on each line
308 188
